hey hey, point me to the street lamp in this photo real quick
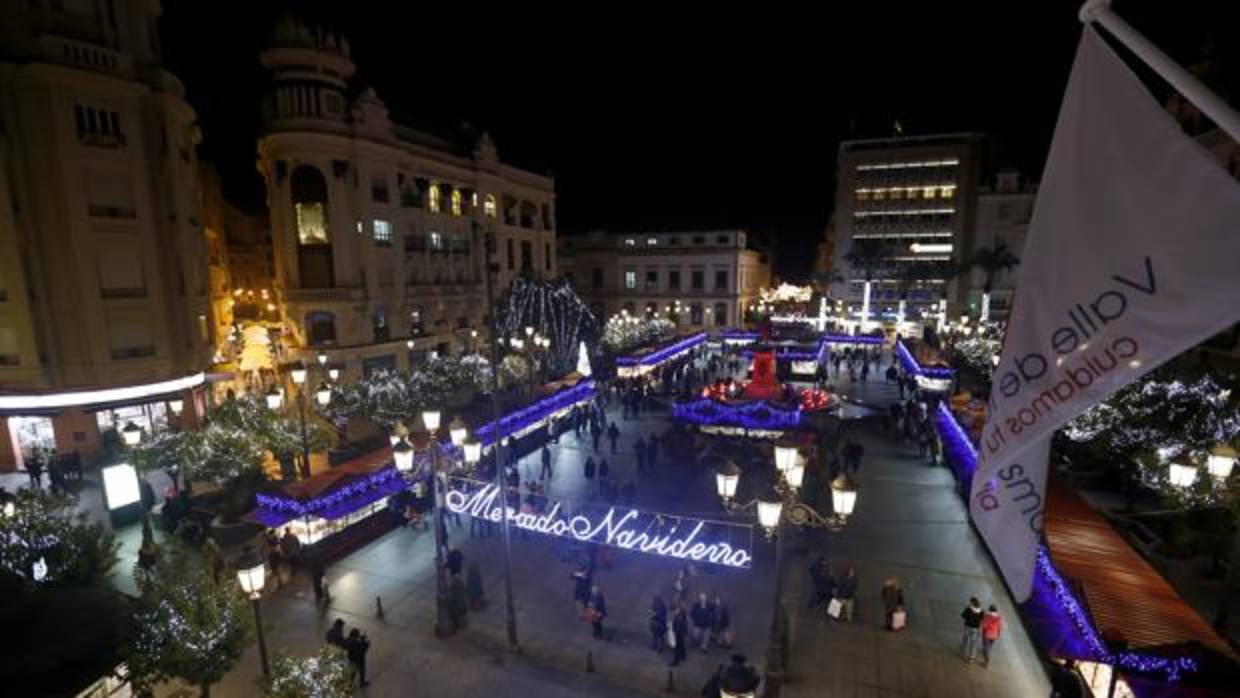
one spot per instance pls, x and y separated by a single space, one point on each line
726 479
9 509
322 357
443 624
785 455
457 431
274 399
251 574
795 475
768 514
1182 475
1221 461
176 405
528 330
430 418
323 394
402 455
333 373
298 374
843 495
472 449
131 434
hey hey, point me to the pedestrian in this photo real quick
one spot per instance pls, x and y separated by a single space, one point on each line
658 624
335 634
455 562
824 582
679 634
722 628
597 610
356 647
639 450
992 627
583 580
972 617
545 473
681 585
893 599
596 433
703 619
1066 682
34 468
317 574
589 473
613 434
290 549
846 594
604 470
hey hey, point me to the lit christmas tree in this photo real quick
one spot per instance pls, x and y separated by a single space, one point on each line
583 361
324 675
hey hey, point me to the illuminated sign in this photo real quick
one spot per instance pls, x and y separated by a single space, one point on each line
682 538
91 397
120 486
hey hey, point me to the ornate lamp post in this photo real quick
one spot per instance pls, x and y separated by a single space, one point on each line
251 573
274 398
131 434
298 373
443 622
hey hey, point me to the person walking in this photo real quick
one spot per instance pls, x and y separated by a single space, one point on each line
596 433
893 599
658 624
597 608
721 630
589 473
290 550
972 617
680 634
992 627
356 647
703 617
823 579
846 593
545 473
613 435
335 634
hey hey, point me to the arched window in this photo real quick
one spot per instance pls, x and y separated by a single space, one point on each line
320 328
489 207
456 202
434 203
308 190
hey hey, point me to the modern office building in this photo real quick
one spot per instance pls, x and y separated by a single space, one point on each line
379 229
104 311
703 278
905 208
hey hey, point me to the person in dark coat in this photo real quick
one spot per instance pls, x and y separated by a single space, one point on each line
613 435
658 624
680 634
604 470
722 628
545 473
703 616
598 610
589 472
335 634
356 647
456 560
582 582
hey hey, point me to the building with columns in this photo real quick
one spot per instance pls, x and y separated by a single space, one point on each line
379 230
104 310
698 279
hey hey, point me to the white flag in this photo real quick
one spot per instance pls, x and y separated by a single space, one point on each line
1132 257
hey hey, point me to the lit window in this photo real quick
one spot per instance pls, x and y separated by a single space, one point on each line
947 192
651 242
361 227
630 242
879 195
456 202
434 198
383 232
311 228
488 206
436 240
863 194
630 279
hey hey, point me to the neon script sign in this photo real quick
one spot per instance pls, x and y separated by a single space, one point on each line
627 529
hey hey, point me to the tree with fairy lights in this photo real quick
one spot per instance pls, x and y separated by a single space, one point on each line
323 675
553 310
46 542
189 625
624 332
388 397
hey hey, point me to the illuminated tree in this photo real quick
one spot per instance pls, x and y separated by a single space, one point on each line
324 675
47 542
554 310
188 626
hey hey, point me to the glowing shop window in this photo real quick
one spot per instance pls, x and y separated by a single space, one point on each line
488 206
456 202
383 231
120 485
630 242
311 224
434 198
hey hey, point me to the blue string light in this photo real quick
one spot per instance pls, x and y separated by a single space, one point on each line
749 415
911 366
337 503
522 418
655 358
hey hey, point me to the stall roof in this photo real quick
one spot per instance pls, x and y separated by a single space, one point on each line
325 482
1126 596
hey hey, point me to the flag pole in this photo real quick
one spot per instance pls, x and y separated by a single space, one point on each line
1184 82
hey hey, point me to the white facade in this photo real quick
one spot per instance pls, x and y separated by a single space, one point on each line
697 279
379 229
103 275
911 198
1003 213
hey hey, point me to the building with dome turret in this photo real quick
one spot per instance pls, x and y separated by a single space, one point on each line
379 229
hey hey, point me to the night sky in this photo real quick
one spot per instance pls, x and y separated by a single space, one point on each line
658 117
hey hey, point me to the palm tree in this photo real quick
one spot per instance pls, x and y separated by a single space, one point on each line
992 261
907 278
946 270
866 256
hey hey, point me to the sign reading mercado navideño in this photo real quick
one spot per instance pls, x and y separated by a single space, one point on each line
684 538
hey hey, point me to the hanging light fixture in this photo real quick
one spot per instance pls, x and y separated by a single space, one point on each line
323 394
768 513
298 373
785 455
274 399
430 418
252 574
473 451
843 495
131 434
